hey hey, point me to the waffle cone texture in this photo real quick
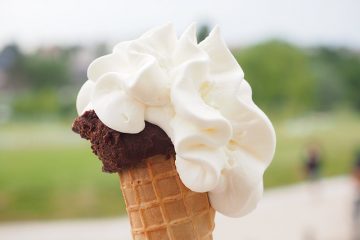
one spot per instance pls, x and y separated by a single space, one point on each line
160 207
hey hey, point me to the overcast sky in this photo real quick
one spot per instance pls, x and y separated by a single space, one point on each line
305 22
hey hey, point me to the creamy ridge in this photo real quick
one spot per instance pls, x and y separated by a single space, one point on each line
195 92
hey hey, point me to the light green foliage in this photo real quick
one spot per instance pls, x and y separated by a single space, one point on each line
338 77
44 103
31 105
45 72
279 75
289 80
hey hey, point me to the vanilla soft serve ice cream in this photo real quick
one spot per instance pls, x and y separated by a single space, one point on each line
196 93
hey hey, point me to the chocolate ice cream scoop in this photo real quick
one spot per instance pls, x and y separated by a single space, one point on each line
121 150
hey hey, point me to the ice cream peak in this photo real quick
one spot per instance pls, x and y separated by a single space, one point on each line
121 150
196 93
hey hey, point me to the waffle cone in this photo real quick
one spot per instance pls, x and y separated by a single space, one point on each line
159 205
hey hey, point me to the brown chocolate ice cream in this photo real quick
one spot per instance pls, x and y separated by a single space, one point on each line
121 150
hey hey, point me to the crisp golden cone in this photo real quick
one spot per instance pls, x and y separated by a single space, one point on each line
159 205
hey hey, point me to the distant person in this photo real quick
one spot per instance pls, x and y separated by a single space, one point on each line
313 162
356 176
356 169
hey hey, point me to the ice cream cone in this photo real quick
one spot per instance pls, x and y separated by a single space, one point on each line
159 93
160 206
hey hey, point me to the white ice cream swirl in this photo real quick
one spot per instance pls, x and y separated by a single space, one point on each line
196 93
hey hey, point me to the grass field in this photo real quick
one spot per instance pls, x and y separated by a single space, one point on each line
47 172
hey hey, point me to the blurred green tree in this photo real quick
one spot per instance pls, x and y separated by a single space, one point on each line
37 81
329 87
45 72
280 76
338 77
351 70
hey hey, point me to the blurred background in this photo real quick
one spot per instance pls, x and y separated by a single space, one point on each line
302 59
